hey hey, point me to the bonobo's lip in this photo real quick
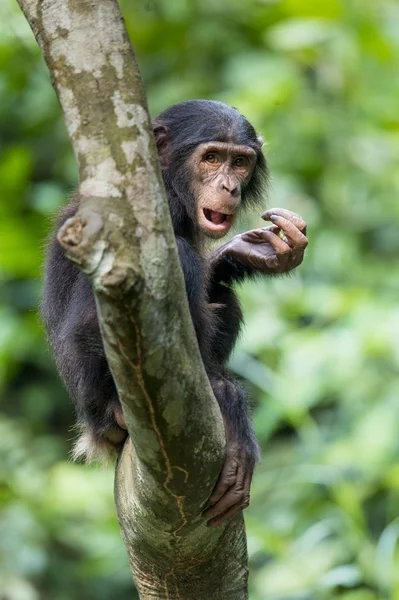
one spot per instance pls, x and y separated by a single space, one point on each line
218 222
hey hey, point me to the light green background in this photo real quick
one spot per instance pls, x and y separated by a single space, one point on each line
320 81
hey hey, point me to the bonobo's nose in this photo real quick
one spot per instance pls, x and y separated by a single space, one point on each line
230 185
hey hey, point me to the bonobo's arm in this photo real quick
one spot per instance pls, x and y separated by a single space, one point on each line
216 338
278 248
192 266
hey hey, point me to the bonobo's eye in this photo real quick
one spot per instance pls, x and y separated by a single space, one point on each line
211 158
240 162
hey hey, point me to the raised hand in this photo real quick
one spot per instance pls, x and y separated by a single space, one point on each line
278 248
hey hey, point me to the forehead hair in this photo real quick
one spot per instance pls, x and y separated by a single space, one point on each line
197 121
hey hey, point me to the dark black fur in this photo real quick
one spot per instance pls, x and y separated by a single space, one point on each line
68 308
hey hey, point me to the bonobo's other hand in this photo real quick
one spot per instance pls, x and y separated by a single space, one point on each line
278 248
231 494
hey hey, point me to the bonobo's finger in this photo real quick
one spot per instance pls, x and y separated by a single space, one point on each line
272 228
119 417
274 240
292 233
287 214
255 236
233 496
258 231
229 514
227 477
237 508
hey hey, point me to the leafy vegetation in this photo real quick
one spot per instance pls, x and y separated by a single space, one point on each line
318 78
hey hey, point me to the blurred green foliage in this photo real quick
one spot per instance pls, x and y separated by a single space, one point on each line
319 79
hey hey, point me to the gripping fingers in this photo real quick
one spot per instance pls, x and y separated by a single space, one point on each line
279 245
287 214
294 236
273 228
232 497
267 234
229 514
241 503
227 478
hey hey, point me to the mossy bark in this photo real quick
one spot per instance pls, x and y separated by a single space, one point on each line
123 241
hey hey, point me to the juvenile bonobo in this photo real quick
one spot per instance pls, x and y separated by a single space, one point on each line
212 166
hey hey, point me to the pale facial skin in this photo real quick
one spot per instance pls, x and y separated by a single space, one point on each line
221 171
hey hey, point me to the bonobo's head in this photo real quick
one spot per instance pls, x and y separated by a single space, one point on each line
212 164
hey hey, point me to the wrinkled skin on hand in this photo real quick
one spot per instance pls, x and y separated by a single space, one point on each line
232 491
278 248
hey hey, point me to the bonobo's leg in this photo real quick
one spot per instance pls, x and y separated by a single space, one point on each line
231 494
69 313
82 364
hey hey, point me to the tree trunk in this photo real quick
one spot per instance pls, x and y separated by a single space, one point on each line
123 241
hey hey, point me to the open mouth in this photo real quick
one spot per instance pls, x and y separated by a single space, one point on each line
217 221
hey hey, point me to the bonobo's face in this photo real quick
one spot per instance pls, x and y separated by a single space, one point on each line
220 173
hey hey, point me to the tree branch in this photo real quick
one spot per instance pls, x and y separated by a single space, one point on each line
123 241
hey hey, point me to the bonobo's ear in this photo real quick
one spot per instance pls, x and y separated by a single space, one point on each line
260 141
161 140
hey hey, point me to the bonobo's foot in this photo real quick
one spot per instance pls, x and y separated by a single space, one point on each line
231 494
117 434
119 417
